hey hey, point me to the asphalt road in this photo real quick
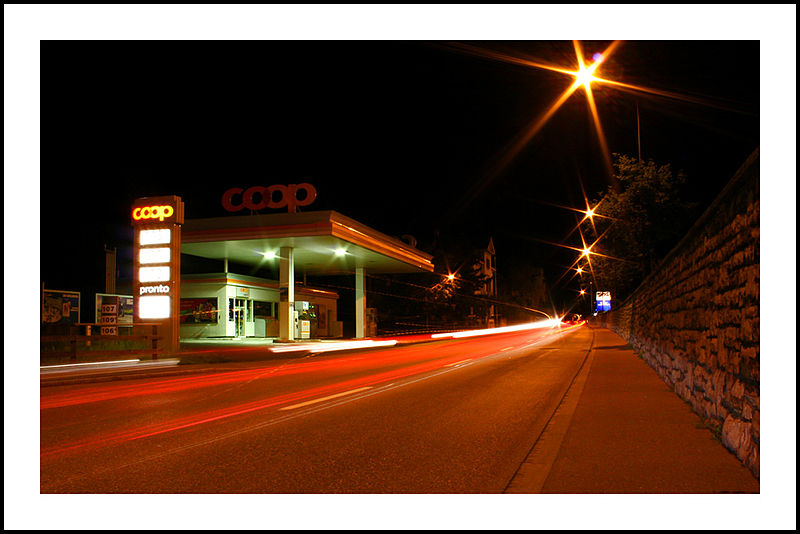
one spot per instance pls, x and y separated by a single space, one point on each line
451 416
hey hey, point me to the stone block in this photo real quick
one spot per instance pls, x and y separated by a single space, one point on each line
737 391
737 437
756 423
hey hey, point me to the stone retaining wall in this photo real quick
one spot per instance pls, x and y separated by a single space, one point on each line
695 319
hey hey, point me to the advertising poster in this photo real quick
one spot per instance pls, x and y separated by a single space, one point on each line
61 307
125 311
199 310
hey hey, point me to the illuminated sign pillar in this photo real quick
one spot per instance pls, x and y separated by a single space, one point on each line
286 289
157 266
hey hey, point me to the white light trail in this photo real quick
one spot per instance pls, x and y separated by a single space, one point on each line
548 323
329 347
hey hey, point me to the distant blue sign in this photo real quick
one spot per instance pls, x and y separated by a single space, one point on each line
603 301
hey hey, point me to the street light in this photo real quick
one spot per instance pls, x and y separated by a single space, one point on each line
585 75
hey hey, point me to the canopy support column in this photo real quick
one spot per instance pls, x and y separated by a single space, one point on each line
361 303
286 288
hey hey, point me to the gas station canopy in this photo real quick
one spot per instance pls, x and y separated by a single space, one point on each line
324 242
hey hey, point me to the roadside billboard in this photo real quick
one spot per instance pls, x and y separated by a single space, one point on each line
61 307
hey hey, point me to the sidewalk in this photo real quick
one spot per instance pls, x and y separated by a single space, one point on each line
621 429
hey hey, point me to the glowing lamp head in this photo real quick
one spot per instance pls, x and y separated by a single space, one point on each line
270 255
585 76
340 252
451 276
583 291
586 252
589 213
580 270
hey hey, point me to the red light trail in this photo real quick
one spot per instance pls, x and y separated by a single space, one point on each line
382 366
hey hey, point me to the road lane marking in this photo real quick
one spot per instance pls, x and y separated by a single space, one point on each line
456 363
329 397
117 362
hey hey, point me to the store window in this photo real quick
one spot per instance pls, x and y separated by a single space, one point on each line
198 310
263 309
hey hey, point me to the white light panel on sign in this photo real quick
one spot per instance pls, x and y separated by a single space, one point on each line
154 255
153 274
155 237
154 307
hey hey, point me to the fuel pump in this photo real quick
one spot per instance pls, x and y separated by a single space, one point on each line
303 324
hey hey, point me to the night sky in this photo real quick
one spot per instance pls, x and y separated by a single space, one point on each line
403 136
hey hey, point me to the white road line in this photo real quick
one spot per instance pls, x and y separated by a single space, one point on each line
293 406
86 363
456 363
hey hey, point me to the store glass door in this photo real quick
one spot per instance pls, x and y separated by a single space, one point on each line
239 312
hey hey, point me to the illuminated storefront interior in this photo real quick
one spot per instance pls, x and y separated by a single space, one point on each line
228 304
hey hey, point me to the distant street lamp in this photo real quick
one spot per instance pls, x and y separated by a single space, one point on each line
585 75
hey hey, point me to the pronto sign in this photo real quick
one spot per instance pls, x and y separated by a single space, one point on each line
258 197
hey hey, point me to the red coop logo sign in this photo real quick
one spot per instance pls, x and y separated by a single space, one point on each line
274 196
153 212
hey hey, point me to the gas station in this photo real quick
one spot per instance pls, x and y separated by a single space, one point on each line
225 304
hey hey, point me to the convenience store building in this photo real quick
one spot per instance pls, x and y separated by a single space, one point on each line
234 305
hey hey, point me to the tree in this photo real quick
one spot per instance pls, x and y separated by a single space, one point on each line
444 291
640 222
